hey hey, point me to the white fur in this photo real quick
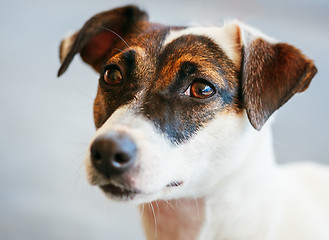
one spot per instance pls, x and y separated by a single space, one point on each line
230 165
66 45
249 33
156 167
157 158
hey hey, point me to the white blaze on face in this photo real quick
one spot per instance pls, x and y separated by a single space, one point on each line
154 168
159 162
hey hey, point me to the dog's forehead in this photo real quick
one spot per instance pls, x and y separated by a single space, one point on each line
163 51
226 36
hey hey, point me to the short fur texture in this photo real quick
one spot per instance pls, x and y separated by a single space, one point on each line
193 103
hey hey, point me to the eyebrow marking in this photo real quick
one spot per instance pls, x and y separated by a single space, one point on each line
208 59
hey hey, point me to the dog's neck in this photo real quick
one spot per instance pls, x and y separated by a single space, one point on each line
241 195
175 219
245 194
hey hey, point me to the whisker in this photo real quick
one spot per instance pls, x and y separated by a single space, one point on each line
118 49
81 92
180 203
83 144
170 205
156 202
155 221
116 35
278 143
78 173
143 208
76 158
197 204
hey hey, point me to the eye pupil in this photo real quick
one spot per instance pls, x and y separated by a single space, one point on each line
201 90
113 77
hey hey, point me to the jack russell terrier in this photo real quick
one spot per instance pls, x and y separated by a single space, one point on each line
181 118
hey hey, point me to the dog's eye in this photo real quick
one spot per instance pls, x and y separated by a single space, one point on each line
200 89
112 76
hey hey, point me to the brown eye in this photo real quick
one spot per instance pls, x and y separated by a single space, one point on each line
113 76
200 89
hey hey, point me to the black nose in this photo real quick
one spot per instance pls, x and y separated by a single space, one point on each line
113 154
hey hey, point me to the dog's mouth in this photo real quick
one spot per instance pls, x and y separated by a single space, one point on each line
125 193
119 192
174 184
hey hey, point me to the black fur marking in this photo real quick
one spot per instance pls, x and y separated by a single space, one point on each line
175 114
164 75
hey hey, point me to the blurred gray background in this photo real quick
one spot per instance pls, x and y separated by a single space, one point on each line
46 123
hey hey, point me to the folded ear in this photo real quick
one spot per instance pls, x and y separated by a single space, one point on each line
271 74
99 35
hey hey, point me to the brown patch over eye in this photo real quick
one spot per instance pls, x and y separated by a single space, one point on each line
113 76
200 89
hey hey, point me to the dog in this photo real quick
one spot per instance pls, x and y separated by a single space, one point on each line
183 129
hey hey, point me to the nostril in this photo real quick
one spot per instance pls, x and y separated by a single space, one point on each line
121 158
112 154
96 155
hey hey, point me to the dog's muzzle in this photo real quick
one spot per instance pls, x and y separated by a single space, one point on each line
121 163
113 154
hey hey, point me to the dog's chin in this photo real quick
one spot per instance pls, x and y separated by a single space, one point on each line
137 196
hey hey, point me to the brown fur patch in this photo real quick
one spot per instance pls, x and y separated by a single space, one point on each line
120 20
97 49
272 74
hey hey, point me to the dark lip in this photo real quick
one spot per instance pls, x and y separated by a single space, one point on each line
175 184
119 192
124 193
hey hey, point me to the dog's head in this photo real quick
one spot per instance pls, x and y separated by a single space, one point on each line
175 104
